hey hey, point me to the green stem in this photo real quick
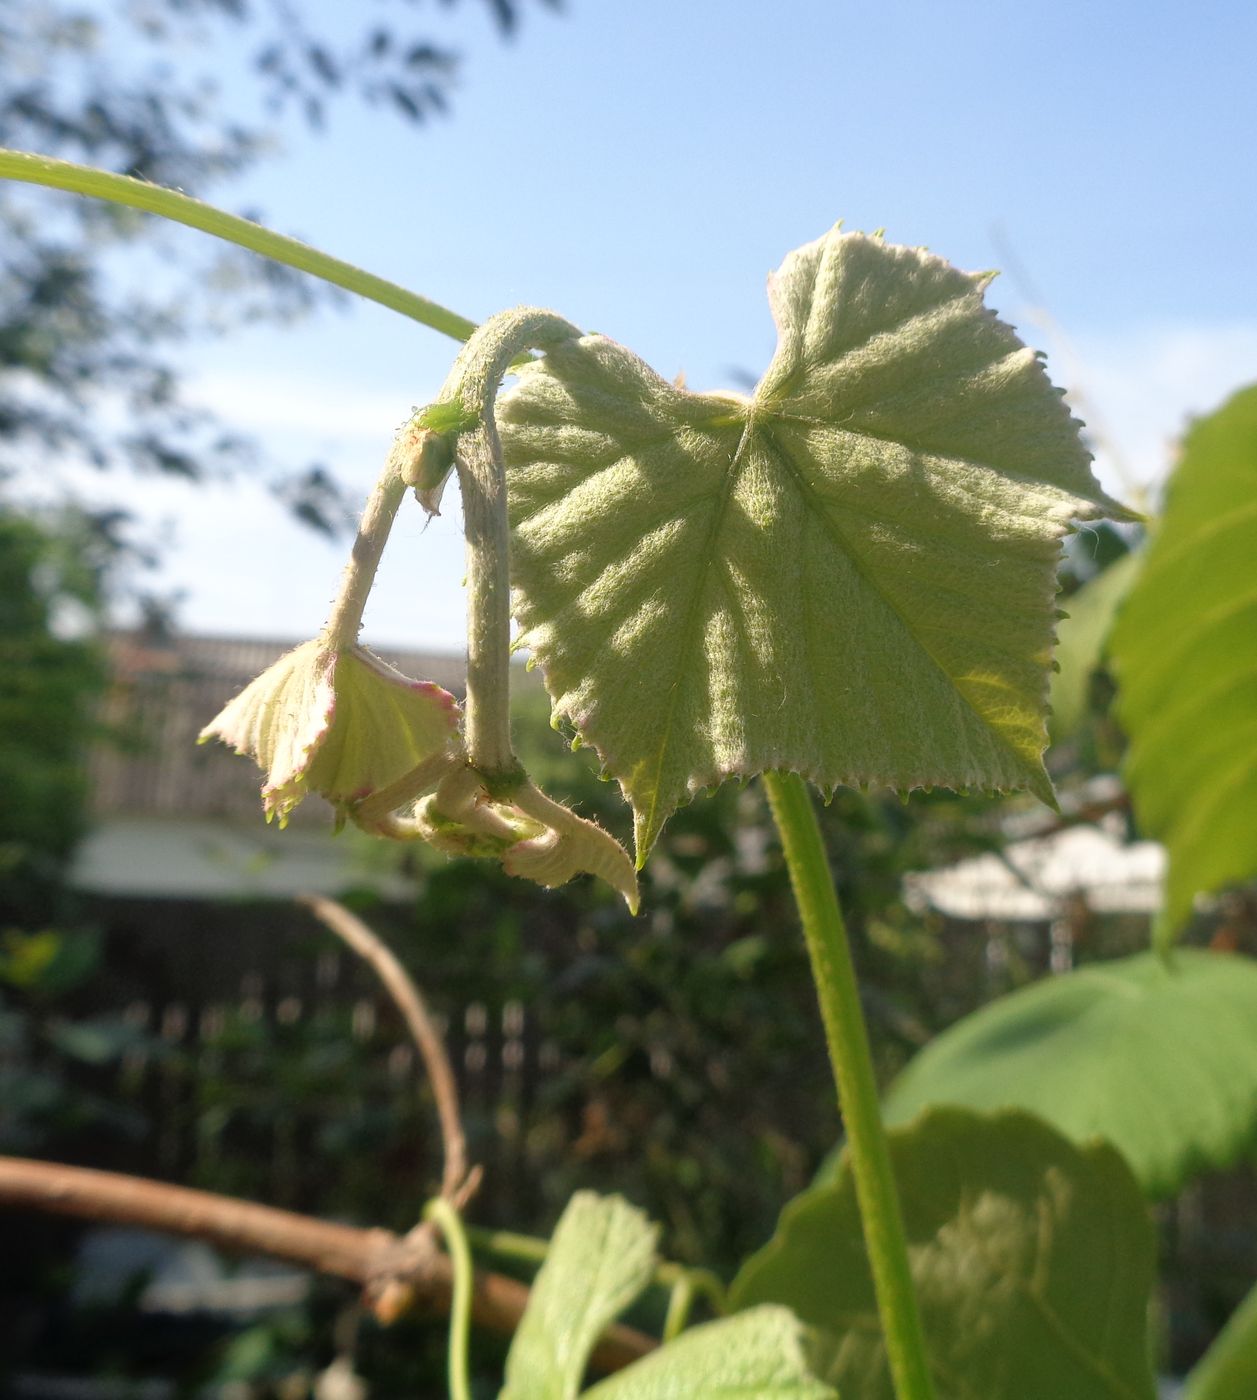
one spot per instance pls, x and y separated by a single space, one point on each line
852 1062
531 1249
509 1244
471 387
169 204
702 1281
680 1301
345 620
450 1223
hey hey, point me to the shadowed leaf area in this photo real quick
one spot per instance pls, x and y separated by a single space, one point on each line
1032 1258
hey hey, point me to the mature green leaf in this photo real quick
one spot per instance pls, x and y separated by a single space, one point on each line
761 1353
849 574
1032 1258
1228 1370
1082 641
1159 1061
601 1257
1184 651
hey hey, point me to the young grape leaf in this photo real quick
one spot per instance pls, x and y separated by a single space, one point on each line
849 574
1228 1370
1160 1061
1184 651
1033 1261
601 1257
761 1353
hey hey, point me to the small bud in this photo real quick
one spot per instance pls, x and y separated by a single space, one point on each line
426 460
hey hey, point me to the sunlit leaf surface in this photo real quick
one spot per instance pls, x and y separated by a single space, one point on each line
1160 1061
850 573
1184 650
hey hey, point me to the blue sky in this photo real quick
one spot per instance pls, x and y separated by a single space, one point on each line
640 166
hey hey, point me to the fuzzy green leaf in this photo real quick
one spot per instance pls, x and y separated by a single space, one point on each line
601 1257
850 574
1033 1261
1184 651
761 1353
1159 1061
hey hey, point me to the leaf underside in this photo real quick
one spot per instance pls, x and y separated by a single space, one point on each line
1032 1258
849 574
1160 1061
1184 651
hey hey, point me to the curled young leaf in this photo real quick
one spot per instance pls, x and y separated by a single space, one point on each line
849 574
342 723
567 845
385 752
535 838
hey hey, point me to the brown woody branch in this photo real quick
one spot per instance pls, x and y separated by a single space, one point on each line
409 1001
342 1251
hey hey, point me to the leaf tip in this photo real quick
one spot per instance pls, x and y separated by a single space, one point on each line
1040 784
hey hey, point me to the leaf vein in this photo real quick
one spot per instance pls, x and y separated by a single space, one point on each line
842 543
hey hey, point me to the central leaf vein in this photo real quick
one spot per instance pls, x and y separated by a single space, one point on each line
839 540
689 629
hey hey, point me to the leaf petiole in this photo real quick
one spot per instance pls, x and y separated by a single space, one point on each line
847 1038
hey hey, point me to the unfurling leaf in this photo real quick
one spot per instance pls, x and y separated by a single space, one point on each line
385 752
601 1258
535 837
342 723
849 574
1184 651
